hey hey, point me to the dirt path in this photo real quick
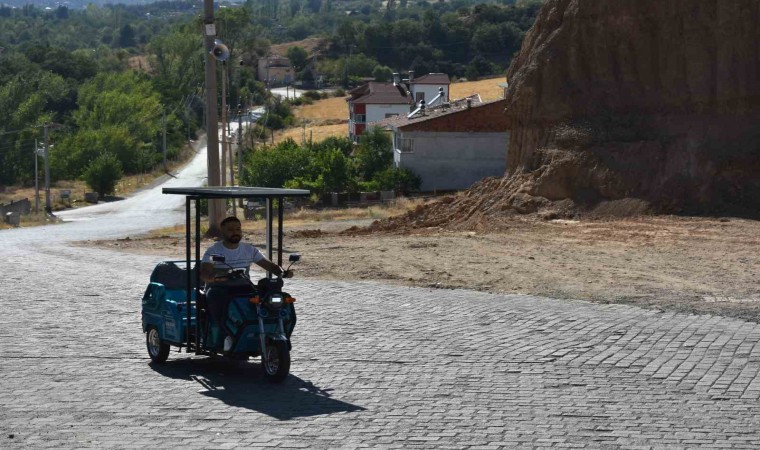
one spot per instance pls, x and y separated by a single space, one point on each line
685 264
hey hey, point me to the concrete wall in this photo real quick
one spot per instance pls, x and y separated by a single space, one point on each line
453 161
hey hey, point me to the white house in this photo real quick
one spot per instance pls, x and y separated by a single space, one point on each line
376 101
372 102
427 87
453 145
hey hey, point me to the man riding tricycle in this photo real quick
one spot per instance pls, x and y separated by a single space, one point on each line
210 306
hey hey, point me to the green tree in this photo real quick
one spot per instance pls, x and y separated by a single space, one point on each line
127 37
76 151
374 153
24 105
103 174
126 99
393 178
328 171
178 62
334 170
274 166
298 57
382 73
341 143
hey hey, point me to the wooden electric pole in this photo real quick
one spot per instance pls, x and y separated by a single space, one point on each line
212 117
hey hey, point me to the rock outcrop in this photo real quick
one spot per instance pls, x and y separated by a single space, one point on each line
626 106
657 100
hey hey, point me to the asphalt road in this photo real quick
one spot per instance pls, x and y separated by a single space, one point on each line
373 365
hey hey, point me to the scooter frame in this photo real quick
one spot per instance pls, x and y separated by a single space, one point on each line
193 341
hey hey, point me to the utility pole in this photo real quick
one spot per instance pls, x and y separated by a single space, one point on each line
224 123
230 158
212 130
232 169
36 179
240 148
48 205
163 125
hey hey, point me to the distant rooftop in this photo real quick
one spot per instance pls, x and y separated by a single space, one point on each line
432 78
376 92
431 113
493 120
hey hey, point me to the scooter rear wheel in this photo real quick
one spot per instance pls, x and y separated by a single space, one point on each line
157 350
276 362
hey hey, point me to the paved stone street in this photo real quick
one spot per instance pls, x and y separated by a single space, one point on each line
373 366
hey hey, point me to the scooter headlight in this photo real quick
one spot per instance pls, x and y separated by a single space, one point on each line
276 300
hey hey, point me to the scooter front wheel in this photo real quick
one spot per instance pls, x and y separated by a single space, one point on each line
157 350
276 361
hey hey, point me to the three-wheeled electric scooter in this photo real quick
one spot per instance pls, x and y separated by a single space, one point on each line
260 319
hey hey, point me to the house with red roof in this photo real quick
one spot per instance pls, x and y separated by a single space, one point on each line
375 101
452 145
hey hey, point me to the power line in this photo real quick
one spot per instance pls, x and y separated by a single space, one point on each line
20 131
11 146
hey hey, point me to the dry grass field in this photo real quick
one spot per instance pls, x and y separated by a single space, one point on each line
308 44
334 108
488 89
315 133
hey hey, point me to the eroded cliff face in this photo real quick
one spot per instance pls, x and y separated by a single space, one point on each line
625 107
657 100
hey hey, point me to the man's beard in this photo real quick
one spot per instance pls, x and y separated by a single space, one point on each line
234 239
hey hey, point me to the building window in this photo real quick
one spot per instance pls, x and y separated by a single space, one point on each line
419 96
360 118
407 145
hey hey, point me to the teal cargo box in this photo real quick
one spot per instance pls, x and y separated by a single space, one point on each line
164 304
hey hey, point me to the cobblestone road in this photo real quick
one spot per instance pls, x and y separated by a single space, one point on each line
373 366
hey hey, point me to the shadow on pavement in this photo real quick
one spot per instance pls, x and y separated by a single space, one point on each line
241 384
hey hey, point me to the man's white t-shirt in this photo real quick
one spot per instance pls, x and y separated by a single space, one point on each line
239 258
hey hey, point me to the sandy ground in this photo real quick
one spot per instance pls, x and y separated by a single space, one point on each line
693 265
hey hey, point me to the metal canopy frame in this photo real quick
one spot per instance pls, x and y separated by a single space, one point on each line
199 193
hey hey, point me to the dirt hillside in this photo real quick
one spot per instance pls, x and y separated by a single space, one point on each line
626 107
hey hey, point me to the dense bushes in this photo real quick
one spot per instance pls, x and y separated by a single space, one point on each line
103 173
332 165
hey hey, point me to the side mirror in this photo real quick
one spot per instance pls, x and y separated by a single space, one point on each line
218 258
294 257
